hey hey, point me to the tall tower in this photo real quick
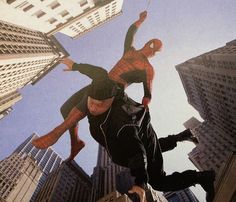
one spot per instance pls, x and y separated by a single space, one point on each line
68 183
25 57
19 176
47 160
104 175
111 180
72 18
209 81
185 195
226 187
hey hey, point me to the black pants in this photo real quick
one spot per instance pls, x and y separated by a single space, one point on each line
157 177
74 101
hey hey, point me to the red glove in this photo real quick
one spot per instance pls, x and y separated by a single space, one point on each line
142 16
146 101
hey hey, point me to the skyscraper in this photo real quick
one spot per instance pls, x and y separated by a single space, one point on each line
108 178
185 195
104 175
68 183
19 176
115 196
209 81
25 57
47 160
7 101
226 186
72 18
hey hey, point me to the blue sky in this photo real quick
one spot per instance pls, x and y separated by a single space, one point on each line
187 29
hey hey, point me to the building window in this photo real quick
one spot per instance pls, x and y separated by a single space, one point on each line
39 14
64 13
10 1
70 18
52 20
28 7
83 2
54 5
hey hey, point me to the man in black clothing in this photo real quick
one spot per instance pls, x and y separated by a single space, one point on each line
126 132
123 127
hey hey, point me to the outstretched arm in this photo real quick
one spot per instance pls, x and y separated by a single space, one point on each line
132 30
147 85
93 72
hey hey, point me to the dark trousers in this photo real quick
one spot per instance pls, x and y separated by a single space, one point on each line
157 177
73 101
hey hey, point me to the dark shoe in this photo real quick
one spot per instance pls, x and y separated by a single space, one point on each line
207 183
187 135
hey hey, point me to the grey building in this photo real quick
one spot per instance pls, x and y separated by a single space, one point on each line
104 175
185 195
68 183
47 160
112 182
19 176
209 81
226 186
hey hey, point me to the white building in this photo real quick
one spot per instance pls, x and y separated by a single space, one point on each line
19 176
25 57
70 17
7 101
46 159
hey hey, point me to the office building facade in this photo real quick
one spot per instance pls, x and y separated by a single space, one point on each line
68 183
72 18
209 81
19 176
185 195
7 101
104 175
226 186
111 181
25 57
47 160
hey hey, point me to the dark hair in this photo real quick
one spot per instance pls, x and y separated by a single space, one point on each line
102 89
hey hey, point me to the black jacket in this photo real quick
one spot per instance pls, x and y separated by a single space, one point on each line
120 131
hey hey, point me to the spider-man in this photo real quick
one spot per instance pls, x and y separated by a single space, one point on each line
133 67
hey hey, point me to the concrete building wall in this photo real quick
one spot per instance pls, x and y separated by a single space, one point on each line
68 183
7 101
225 184
25 57
19 178
72 18
209 81
47 160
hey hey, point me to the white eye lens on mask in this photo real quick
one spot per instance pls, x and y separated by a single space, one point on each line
151 45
